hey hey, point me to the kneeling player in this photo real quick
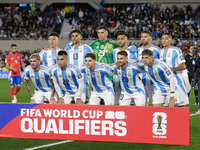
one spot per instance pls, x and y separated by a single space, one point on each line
98 75
40 76
132 86
165 92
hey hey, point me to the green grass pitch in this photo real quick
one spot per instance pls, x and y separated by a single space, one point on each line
18 144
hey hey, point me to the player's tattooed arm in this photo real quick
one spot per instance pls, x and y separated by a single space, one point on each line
28 86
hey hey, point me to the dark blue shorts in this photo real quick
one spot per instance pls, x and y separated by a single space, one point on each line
15 80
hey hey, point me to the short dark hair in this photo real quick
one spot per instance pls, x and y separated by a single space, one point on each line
75 31
167 34
92 55
123 53
14 45
54 34
61 53
102 27
147 52
121 33
147 32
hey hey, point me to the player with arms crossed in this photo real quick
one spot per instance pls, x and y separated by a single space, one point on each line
176 62
68 81
132 86
98 75
14 63
40 76
49 57
163 79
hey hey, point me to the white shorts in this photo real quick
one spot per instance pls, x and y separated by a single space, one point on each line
69 98
96 97
126 99
40 96
163 98
183 97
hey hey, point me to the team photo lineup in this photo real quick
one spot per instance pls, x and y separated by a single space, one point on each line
104 72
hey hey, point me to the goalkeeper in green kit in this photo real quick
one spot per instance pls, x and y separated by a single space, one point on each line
102 47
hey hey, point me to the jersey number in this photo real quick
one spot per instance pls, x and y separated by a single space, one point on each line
54 61
37 82
124 79
66 82
93 81
75 56
101 53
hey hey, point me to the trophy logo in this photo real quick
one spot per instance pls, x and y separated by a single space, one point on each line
54 55
92 74
76 50
164 55
36 76
151 73
124 74
159 118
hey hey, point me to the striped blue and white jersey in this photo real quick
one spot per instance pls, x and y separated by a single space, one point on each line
155 49
41 79
131 50
129 80
174 57
145 79
76 55
161 75
68 46
68 81
99 77
49 57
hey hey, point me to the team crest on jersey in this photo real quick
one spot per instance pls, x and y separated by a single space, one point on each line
124 74
88 74
102 46
68 76
81 51
92 74
169 55
41 77
32 76
36 76
71 51
156 73
59 75
64 75
76 50
129 74
49 57
54 55
151 73
119 73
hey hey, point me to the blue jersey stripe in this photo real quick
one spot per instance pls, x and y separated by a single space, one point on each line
66 82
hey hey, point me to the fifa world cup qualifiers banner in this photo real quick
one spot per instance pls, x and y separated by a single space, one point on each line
139 124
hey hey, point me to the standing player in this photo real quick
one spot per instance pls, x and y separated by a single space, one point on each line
163 79
49 57
76 55
102 47
175 60
14 63
122 41
132 87
146 38
68 80
40 76
98 75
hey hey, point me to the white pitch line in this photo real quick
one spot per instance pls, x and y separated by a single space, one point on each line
48 145
193 114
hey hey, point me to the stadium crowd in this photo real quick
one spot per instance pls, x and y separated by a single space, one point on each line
29 23
183 23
